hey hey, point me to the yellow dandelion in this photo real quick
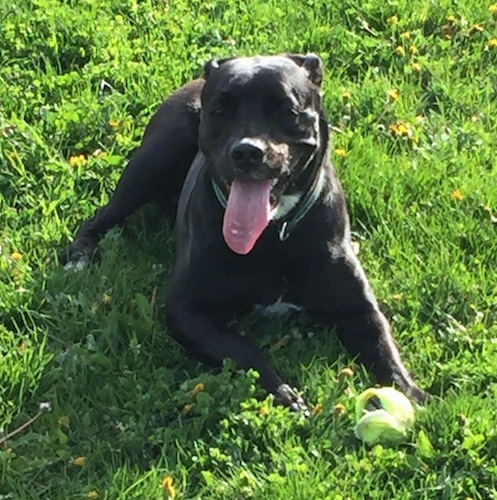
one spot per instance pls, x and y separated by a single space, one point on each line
346 95
476 28
16 256
406 35
281 343
64 421
493 9
492 44
341 152
347 372
416 67
318 408
392 20
79 461
397 296
167 486
400 129
394 94
93 495
263 411
106 298
198 388
451 19
187 409
400 51
77 160
114 123
339 410
457 195
413 49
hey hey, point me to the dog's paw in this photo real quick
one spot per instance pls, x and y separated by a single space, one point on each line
289 397
77 265
77 256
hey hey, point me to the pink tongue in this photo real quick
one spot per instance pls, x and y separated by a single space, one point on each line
246 215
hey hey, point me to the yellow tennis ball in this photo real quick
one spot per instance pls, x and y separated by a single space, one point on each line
383 414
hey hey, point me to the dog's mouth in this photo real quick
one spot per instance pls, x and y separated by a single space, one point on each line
247 214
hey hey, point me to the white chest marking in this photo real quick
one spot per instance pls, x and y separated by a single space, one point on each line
286 203
278 308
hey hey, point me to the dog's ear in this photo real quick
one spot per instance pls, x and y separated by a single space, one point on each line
312 63
213 64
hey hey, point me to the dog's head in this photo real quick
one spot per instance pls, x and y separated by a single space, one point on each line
259 131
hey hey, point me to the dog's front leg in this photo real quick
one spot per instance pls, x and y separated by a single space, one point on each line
336 290
211 341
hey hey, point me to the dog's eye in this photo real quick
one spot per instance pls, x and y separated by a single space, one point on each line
217 113
287 112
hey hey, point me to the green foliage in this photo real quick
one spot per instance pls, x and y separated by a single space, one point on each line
410 90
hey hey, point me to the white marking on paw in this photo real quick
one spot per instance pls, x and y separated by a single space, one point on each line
77 266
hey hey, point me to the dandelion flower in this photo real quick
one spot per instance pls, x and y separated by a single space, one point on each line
416 67
93 495
64 421
492 44
400 129
457 195
346 95
198 388
393 94
263 411
476 28
318 408
167 486
187 408
79 461
16 256
493 9
392 20
406 35
339 410
400 51
340 152
77 160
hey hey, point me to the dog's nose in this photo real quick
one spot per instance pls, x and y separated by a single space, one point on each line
247 154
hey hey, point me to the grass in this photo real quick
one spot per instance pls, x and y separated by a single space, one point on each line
411 91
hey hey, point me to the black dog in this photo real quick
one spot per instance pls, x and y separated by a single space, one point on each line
261 216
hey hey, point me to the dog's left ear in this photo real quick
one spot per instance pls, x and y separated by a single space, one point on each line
312 63
213 64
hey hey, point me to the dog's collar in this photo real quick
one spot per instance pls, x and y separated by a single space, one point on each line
301 210
303 206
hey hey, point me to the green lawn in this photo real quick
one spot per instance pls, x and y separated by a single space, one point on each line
411 92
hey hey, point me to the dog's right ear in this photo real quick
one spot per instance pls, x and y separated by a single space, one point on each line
213 64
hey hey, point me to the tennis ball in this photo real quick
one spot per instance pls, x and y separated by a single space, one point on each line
383 414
